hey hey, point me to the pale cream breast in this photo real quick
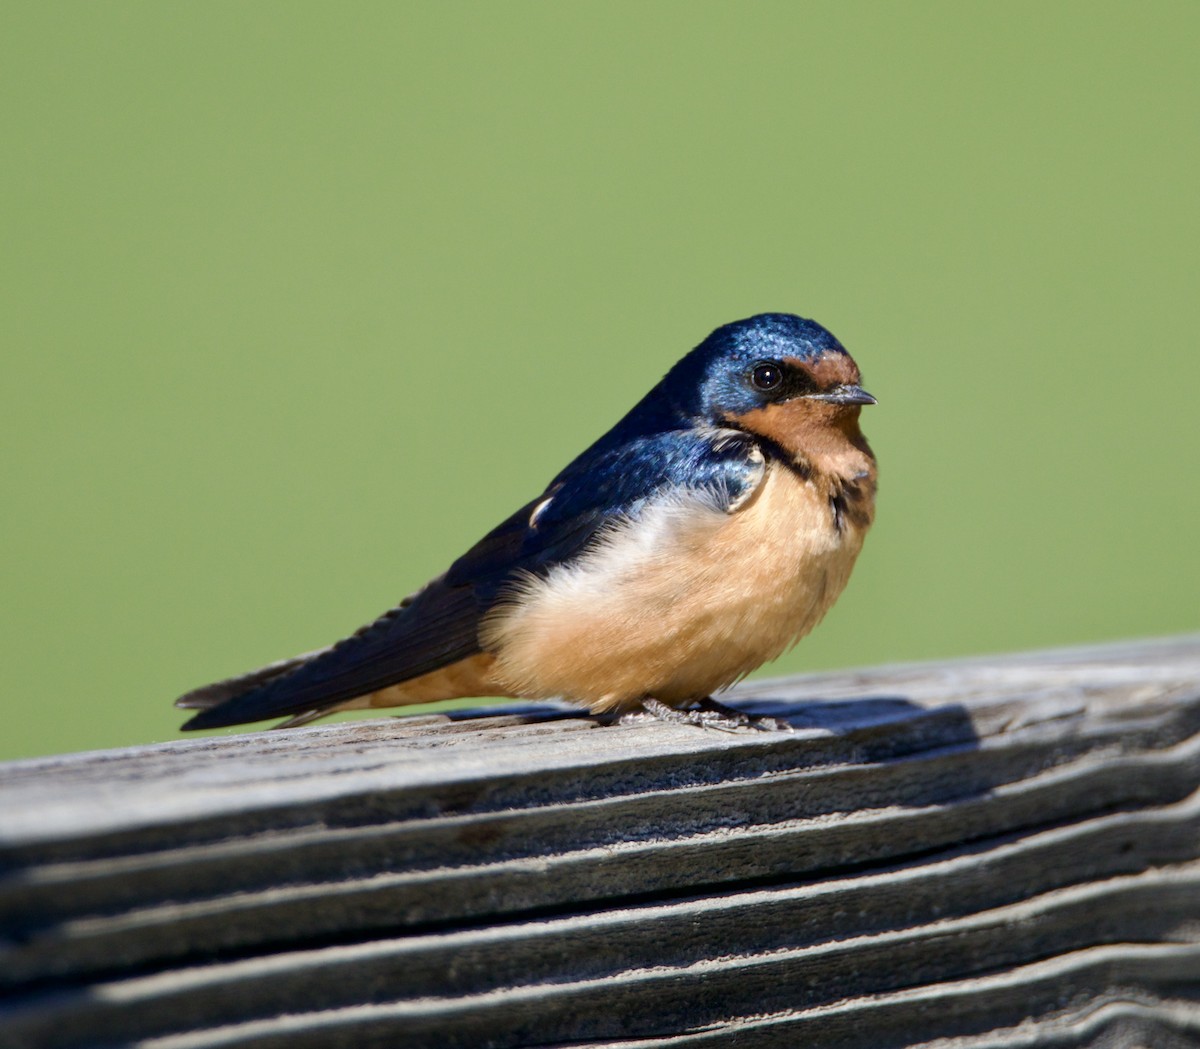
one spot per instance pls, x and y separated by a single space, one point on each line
680 602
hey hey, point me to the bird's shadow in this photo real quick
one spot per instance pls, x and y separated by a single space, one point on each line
873 728
808 714
881 734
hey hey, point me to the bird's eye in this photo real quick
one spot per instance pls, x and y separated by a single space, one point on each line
767 375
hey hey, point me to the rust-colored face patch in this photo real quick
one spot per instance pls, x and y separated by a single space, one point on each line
789 424
828 370
815 434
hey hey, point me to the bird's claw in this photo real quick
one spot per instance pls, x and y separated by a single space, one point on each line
709 713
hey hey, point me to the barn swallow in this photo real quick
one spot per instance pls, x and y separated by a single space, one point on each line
704 534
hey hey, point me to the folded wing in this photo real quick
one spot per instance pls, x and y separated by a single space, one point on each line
439 624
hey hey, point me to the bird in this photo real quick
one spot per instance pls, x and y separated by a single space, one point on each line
704 534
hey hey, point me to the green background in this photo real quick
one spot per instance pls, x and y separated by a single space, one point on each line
299 299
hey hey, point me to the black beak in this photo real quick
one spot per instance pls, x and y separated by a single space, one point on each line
844 395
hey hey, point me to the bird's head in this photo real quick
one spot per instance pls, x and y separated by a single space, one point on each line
777 376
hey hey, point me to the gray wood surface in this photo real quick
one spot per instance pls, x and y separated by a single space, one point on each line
996 852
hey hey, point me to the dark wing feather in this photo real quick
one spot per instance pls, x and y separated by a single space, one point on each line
439 624
219 692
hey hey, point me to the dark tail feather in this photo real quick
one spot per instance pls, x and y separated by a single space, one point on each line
208 696
436 626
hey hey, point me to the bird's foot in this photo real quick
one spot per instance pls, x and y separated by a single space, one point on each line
709 713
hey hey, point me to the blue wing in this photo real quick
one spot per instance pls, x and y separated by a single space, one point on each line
439 624
598 488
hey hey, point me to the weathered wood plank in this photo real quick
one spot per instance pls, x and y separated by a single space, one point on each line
991 852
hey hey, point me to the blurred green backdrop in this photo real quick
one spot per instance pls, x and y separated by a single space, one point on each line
299 299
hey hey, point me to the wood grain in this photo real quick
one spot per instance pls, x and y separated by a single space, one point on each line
995 852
